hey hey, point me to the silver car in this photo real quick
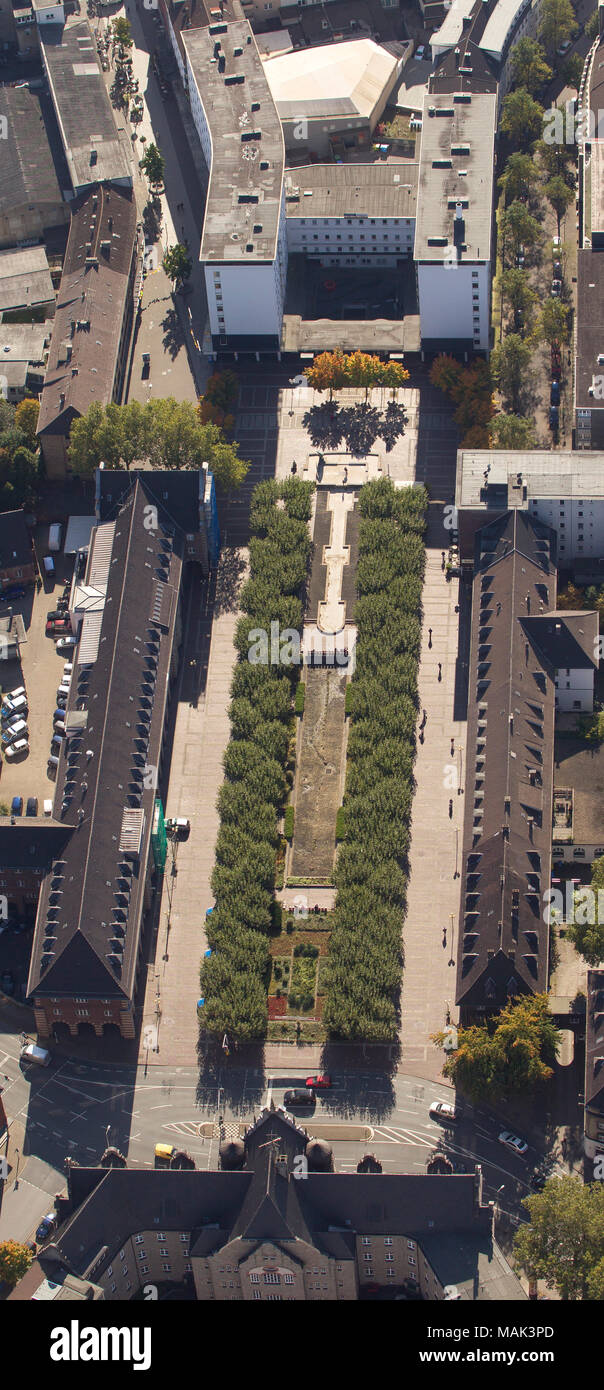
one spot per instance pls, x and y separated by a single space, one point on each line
513 1143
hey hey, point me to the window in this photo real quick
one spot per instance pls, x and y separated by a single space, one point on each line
184 1237
139 1240
366 1240
257 1293
161 1235
272 1278
288 1278
168 1269
411 1259
124 1271
369 1273
254 1278
142 1255
144 1269
389 1258
367 1257
122 1254
391 1273
113 1288
164 1252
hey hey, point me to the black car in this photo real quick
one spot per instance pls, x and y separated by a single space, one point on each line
299 1098
554 416
32 806
554 394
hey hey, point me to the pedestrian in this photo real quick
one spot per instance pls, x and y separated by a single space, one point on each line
294 467
444 936
452 745
450 809
442 561
440 671
429 636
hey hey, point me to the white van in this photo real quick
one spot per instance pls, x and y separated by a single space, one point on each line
63 690
55 534
49 565
40 1055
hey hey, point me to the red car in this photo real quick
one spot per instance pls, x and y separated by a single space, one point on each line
318 1083
57 627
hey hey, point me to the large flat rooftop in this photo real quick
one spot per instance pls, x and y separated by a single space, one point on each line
545 474
246 176
25 278
85 117
341 190
456 165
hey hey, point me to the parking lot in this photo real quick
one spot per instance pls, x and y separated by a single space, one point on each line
39 670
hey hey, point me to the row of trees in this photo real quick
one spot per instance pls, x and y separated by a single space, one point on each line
371 871
165 433
19 459
234 979
358 425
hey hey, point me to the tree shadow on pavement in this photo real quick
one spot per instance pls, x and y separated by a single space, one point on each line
230 577
241 1089
173 339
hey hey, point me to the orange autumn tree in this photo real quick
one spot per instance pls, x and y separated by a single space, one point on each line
327 373
471 390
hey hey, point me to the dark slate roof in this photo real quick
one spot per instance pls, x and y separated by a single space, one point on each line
594 1042
15 540
33 844
565 639
27 170
91 304
178 493
509 767
91 901
469 71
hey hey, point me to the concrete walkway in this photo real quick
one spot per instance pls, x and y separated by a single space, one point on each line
196 774
433 898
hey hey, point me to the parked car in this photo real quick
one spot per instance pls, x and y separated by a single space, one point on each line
14 732
554 395
15 750
444 1112
179 827
10 721
320 1083
46 1227
557 270
564 47
16 806
57 627
66 643
298 381
299 1098
32 806
420 52
49 566
12 707
554 417
14 694
556 289
54 616
513 1142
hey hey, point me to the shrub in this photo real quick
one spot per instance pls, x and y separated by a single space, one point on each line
299 700
288 823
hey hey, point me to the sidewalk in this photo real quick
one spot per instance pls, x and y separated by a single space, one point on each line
200 738
433 896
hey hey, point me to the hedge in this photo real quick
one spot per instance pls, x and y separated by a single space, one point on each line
288 823
365 955
299 701
234 979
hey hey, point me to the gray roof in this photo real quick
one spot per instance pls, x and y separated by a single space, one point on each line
242 195
474 1266
15 540
91 304
509 766
544 473
25 278
589 330
32 844
92 145
27 169
23 342
341 190
90 906
460 122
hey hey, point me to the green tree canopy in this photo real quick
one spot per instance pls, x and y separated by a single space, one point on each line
588 937
529 67
553 325
521 119
518 228
517 290
564 1242
15 1259
557 24
153 165
26 419
165 433
122 31
177 264
519 177
511 432
509 364
559 195
509 1055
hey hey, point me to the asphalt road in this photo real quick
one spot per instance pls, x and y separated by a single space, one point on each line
76 1108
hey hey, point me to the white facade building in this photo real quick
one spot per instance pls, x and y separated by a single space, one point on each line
453 238
563 489
243 244
495 26
355 214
